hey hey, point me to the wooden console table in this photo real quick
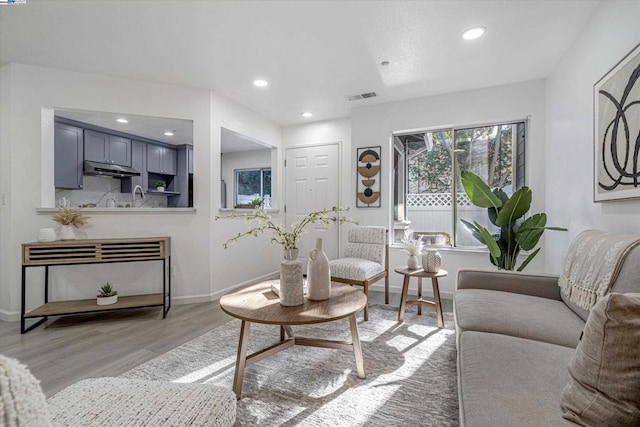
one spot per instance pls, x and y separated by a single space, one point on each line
99 251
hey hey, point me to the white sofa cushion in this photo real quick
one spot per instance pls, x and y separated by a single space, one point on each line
518 315
509 381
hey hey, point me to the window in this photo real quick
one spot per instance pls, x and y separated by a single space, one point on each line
252 184
428 194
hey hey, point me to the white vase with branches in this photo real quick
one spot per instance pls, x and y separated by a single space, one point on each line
291 279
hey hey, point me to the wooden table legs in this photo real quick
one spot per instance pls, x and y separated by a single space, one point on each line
403 298
287 339
241 359
419 302
357 348
436 298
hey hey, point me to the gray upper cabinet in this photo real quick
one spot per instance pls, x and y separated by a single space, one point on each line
103 148
162 160
119 150
68 156
139 163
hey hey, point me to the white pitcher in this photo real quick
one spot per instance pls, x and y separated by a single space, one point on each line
318 274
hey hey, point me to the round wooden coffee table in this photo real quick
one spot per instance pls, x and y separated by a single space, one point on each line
258 304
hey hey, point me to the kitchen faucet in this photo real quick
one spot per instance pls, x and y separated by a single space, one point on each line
133 195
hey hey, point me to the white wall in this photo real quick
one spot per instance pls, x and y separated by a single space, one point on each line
198 256
372 126
6 297
250 259
613 31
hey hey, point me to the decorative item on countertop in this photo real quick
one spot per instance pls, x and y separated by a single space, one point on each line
161 185
413 248
505 212
291 280
286 237
69 218
256 203
431 260
266 202
107 295
318 274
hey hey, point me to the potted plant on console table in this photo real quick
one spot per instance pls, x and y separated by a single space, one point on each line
107 295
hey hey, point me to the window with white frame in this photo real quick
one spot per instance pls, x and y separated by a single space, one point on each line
428 195
252 186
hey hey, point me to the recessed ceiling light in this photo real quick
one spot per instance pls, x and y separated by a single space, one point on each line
473 33
122 120
169 133
384 63
260 83
307 114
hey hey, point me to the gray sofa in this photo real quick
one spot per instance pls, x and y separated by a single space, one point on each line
515 337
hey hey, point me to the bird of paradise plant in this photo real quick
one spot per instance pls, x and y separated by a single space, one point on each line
507 213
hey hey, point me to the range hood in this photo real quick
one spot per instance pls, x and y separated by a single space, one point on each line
107 169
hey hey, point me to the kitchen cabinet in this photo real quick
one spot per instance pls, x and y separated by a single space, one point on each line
190 159
104 148
161 160
68 156
139 163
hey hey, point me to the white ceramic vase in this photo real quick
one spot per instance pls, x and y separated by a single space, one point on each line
291 281
431 261
67 233
318 274
107 300
412 262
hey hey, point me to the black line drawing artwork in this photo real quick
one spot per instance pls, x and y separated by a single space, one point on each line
617 131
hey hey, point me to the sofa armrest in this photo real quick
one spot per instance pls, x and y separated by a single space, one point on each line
538 285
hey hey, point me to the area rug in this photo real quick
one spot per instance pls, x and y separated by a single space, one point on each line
410 373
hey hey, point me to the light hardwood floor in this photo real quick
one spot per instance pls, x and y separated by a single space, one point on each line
67 349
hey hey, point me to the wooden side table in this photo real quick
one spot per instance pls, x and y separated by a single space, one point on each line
420 273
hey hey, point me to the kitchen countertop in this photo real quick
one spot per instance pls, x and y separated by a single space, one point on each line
123 211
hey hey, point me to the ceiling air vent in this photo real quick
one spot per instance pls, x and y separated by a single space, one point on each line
362 96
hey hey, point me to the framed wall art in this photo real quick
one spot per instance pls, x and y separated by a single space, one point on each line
616 100
368 166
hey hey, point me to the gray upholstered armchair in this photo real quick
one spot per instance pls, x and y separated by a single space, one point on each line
366 260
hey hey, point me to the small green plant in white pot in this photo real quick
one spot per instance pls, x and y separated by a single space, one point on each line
107 295
161 185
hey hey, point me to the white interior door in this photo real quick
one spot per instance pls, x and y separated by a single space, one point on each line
312 183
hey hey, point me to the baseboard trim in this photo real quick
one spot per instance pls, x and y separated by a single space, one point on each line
9 316
193 299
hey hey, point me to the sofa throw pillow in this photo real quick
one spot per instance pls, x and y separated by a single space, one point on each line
604 374
22 402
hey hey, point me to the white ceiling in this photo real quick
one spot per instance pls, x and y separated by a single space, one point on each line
146 126
313 53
